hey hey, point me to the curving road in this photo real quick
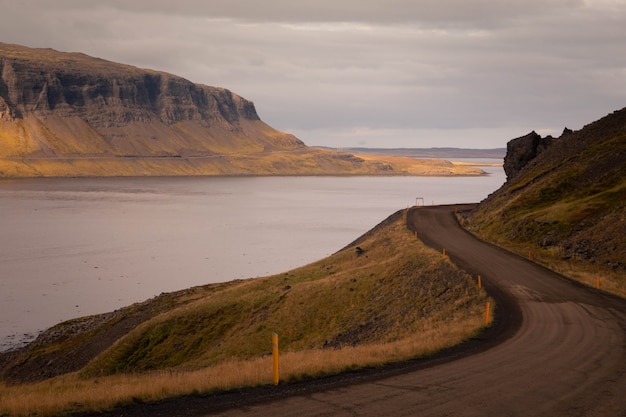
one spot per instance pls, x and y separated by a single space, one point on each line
565 354
567 357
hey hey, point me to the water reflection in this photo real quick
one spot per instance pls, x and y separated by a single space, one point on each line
75 247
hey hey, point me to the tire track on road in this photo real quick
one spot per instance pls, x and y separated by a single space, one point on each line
564 353
567 358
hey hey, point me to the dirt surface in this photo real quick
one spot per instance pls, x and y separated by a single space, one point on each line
555 348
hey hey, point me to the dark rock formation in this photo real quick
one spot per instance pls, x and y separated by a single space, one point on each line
520 151
106 93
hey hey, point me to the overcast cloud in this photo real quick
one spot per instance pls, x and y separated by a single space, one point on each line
375 73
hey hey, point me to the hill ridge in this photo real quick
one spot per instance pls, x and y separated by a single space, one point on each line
565 206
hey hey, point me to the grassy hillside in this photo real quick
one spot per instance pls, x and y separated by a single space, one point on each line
567 207
395 300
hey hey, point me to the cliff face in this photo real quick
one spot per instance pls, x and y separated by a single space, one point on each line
66 104
128 95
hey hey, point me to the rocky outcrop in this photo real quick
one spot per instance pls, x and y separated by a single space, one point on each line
520 151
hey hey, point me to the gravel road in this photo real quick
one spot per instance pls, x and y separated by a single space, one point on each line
559 349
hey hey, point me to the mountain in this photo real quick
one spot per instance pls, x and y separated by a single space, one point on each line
564 202
69 114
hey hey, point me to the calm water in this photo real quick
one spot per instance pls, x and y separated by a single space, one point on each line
75 247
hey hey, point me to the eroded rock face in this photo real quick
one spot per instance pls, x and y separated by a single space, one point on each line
6 114
112 95
101 107
520 151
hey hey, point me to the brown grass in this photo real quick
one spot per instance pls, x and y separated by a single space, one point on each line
71 393
398 300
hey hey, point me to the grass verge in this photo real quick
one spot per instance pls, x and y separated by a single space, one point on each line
392 300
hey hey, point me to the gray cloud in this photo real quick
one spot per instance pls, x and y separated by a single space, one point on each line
429 12
340 73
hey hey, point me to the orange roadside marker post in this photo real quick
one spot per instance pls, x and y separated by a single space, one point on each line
275 357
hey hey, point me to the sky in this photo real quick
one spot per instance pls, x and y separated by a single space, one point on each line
365 73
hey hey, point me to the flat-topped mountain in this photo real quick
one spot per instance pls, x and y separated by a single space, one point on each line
73 104
71 114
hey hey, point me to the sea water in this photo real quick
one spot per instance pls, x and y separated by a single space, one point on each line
76 247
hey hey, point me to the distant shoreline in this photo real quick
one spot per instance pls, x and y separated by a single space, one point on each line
445 153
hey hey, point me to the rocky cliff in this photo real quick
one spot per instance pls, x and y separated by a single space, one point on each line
55 104
69 114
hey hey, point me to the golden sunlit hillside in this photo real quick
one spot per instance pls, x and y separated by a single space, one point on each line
68 114
384 298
